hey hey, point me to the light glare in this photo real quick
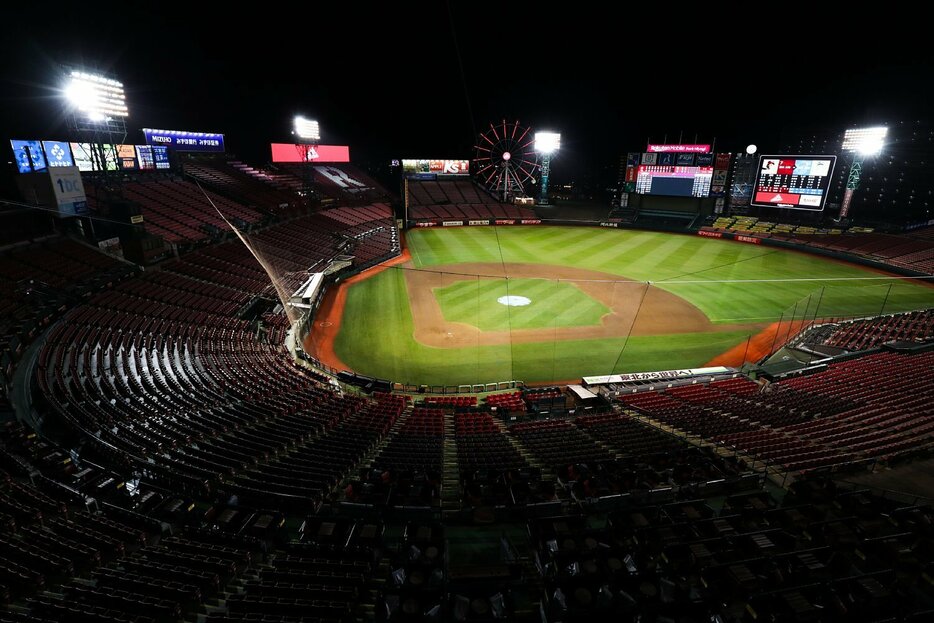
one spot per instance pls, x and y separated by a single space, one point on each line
307 129
99 98
865 141
547 142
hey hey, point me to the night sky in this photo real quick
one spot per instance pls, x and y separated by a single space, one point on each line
420 79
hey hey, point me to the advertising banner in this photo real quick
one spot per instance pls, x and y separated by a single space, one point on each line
126 155
28 156
69 191
182 140
58 154
291 152
676 149
82 156
439 167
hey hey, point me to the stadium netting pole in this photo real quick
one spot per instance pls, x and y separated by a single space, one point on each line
502 260
885 299
478 380
645 291
778 328
820 299
554 339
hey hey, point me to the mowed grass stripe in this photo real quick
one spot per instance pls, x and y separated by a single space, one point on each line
376 336
552 307
552 304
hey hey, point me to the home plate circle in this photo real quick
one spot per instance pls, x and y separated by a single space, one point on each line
513 301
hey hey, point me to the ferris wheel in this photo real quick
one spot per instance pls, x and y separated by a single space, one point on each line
505 159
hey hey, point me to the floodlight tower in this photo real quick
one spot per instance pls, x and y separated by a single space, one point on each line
97 106
861 143
546 143
308 133
306 129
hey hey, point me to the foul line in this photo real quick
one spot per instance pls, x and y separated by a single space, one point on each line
704 270
668 280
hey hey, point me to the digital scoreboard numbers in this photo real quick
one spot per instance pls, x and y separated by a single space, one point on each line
796 182
674 181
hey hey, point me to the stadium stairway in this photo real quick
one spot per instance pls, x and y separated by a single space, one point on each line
773 471
450 482
370 457
522 450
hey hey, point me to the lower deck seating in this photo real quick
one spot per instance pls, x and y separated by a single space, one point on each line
874 407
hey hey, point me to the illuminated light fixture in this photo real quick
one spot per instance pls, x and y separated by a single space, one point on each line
547 142
99 98
307 129
751 149
861 142
865 141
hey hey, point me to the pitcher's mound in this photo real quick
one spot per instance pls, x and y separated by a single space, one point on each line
513 301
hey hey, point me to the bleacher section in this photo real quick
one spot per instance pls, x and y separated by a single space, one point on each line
178 211
868 333
876 407
913 251
915 254
38 282
348 184
232 180
440 200
279 180
815 557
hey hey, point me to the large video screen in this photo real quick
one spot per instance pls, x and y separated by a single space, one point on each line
288 152
160 154
84 159
797 182
181 140
673 180
57 154
441 167
28 156
144 157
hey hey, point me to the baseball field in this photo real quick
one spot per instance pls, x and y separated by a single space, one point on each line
485 304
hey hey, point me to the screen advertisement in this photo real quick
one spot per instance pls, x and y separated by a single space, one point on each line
441 167
126 156
181 140
110 156
84 160
58 154
796 182
678 149
673 181
144 157
160 155
290 152
28 156
69 191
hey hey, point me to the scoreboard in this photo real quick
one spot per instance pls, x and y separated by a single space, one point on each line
797 182
676 181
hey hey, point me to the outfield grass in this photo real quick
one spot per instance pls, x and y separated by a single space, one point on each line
553 304
376 330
